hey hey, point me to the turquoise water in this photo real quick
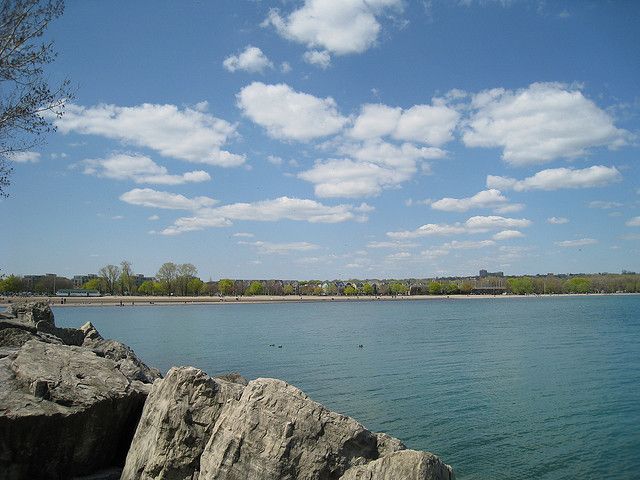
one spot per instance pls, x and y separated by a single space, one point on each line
526 388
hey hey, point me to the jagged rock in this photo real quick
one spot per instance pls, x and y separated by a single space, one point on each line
276 432
30 313
64 411
125 358
176 423
15 337
37 317
233 377
405 465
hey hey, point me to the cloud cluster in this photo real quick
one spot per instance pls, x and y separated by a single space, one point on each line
557 220
429 124
485 199
319 58
477 224
187 134
289 115
22 157
269 248
558 178
337 26
251 60
540 123
140 169
577 243
205 215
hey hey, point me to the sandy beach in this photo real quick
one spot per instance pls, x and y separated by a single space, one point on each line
141 301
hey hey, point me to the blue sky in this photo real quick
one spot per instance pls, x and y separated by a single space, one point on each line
337 139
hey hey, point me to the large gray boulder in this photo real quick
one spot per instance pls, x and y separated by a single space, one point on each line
176 424
195 427
64 411
125 359
37 318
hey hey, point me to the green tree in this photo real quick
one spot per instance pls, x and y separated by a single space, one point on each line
126 281
28 103
288 289
195 286
11 284
397 288
167 275
226 286
184 273
255 288
520 285
95 284
578 285
146 288
160 289
367 289
435 288
350 290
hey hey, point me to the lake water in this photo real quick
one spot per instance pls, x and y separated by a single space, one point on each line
524 388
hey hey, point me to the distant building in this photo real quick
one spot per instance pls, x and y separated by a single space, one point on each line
80 280
485 274
139 279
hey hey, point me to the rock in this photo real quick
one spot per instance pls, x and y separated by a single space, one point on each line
234 377
37 317
405 465
15 337
276 432
176 423
125 358
30 313
64 411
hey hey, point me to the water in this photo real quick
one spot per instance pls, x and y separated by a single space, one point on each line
527 388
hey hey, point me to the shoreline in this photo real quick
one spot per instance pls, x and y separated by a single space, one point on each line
142 301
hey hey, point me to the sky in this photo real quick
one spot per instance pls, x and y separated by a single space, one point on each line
322 139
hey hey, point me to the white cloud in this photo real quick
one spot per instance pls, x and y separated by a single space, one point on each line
392 245
205 215
633 222
510 208
147 197
604 205
485 199
243 235
274 160
477 224
428 124
289 115
269 248
153 218
557 178
540 123
339 26
285 67
376 165
188 134
399 256
23 157
251 60
508 234
577 243
140 169
557 220
319 58
467 244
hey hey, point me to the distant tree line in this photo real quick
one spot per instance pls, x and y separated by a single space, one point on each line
183 280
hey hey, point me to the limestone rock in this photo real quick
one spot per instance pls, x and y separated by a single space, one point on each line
176 423
64 411
125 358
30 313
37 317
15 337
276 432
404 465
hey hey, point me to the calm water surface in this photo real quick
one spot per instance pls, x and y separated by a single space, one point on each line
527 388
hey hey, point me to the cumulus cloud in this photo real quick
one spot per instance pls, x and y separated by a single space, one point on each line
486 199
319 58
429 124
392 245
557 220
540 123
289 115
187 134
269 248
140 169
577 243
338 26
147 197
251 60
467 244
243 235
508 235
633 222
204 215
23 157
373 166
476 224
558 178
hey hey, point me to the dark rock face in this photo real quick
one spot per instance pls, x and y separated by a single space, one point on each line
64 411
196 427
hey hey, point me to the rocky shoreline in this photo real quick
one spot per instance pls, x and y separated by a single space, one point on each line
75 405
